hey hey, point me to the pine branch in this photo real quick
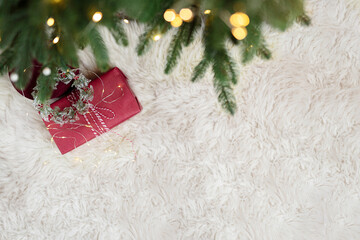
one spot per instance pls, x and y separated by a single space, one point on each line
158 26
200 69
144 41
304 19
6 60
68 50
189 31
82 39
223 88
252 41
45 86
22 59
10 37
263 52
230 65
99 49
39 48
174 50
119 33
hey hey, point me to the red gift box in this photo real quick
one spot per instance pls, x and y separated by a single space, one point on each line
61 87
113 103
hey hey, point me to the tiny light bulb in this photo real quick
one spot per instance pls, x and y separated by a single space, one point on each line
50 22
156 37
97 17
46 71
14 77
207 11
177 21
126 21
239 33
56 40
169 15
186 14
239 19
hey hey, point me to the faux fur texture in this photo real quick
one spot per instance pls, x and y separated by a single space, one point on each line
286 166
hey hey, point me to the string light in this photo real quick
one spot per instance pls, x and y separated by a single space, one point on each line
56 40
239 19
50 22
177 21
14 77
207 11
126 21
186 14
97 17
169 15
239 33
156 37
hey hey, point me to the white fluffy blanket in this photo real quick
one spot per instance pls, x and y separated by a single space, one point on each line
286 166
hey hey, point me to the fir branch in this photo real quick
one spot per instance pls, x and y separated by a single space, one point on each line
189 31
82 40
159 26
223 88
230 65
10 37
303 19
144 41
174 50
6 60
22 59
119 33
99 49
252 41
200 69
39 48
45 86
68 50
263 52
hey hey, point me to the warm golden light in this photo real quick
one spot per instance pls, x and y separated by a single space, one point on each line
50 22
186 14
239 19
156 37
126 21
207 11
97 17
169 15
56 1
239 33
177 21
56 40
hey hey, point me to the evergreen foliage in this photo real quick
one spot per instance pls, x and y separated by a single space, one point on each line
25 36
